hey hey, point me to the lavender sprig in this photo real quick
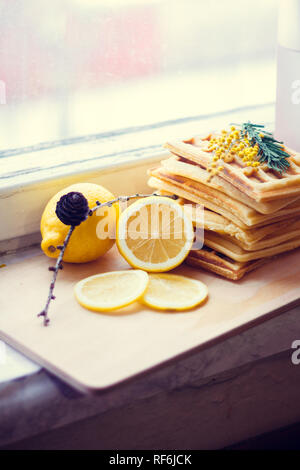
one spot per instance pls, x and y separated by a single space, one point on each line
62 248
58 266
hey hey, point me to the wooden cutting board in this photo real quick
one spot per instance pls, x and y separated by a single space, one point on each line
93 351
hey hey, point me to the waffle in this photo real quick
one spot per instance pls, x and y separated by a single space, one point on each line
216 258
252 239
292 231
234 251
249 216
262 186
181 167
222 265
215 200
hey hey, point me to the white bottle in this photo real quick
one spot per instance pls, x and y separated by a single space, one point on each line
287 127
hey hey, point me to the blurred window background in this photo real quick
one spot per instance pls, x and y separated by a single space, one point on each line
76 67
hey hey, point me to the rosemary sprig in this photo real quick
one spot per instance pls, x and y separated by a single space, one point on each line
58 265
270 151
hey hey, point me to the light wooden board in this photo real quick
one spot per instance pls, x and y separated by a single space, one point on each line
93 351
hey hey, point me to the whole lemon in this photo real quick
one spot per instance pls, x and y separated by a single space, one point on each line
92 238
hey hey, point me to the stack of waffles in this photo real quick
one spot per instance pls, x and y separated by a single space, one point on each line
251 211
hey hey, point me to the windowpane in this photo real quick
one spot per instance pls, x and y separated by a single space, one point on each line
75 67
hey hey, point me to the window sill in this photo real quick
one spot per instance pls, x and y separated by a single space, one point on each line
30 176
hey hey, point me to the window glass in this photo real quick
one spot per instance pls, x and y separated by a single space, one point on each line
75 67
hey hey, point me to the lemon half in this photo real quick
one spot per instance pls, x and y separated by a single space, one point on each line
112 290
154 234
173 292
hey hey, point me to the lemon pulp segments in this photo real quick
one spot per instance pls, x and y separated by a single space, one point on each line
112 290
170 291
154 234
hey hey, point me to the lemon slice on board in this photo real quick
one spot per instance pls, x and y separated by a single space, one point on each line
154 234
112 290
173 292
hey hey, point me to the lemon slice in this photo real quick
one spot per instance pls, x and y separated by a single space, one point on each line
154 234
172 292
109 291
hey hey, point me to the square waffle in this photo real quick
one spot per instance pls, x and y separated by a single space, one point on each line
291 232
215 200
181 167
231 249
224 266
250 240
262 186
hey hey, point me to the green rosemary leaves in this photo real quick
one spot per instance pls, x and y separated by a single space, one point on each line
271 151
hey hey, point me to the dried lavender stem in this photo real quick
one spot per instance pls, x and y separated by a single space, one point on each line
44 313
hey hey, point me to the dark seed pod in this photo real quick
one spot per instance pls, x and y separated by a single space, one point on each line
72 208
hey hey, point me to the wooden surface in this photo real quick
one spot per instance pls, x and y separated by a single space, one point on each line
93 351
